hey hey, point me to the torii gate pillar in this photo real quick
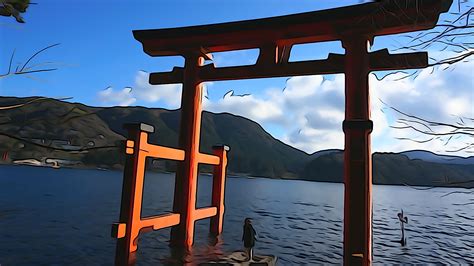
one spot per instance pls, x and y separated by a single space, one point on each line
189 138
357 127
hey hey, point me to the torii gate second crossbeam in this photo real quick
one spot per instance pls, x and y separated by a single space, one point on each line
354 26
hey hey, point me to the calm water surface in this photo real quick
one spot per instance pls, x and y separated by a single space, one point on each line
63 217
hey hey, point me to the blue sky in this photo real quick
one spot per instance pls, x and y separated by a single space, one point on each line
98 58
97 47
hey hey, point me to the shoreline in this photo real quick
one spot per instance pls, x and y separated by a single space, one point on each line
230 175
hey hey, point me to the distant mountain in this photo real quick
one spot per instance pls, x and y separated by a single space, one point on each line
323 152
436 158
253 150
47 130
49 122
393 169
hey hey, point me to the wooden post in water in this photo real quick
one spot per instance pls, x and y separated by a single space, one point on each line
218 189
189 139
357 157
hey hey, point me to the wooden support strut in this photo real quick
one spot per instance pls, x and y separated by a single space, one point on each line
131 224
218 189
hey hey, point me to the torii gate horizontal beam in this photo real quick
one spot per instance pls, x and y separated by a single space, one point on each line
379 60
370 19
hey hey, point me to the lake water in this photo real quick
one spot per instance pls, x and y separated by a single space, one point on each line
63 217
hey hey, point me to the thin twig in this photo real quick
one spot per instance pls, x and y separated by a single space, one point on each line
26 69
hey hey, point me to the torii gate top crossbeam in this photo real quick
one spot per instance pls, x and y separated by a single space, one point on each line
371 19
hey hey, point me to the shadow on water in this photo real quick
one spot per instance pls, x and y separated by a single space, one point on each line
212 250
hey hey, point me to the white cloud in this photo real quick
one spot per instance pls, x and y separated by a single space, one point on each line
311 140
247 106
310 109
325 118
111 97
435 94
169 96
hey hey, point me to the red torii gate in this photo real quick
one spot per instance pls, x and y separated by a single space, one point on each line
354 26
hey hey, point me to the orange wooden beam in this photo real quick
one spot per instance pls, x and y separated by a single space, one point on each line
372 19
160 221
202 213
161 152
118 230
129 226
137 149
208 159
379 60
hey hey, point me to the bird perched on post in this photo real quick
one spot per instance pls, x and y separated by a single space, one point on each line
14 8
403 220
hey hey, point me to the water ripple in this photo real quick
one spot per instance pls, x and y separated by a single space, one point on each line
302 226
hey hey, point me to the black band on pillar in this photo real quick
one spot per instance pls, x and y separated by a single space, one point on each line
358 124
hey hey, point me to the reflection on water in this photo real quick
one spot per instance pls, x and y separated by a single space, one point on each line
50 216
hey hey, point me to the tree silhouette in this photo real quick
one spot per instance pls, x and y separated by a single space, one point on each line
453 35
435 130
14 8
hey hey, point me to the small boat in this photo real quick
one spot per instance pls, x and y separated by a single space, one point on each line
34 162
55 165
30 162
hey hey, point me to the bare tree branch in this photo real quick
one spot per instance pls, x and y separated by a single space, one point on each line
453 34
453 60
28 69
461 129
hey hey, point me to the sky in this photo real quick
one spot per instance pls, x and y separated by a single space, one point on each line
101 64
